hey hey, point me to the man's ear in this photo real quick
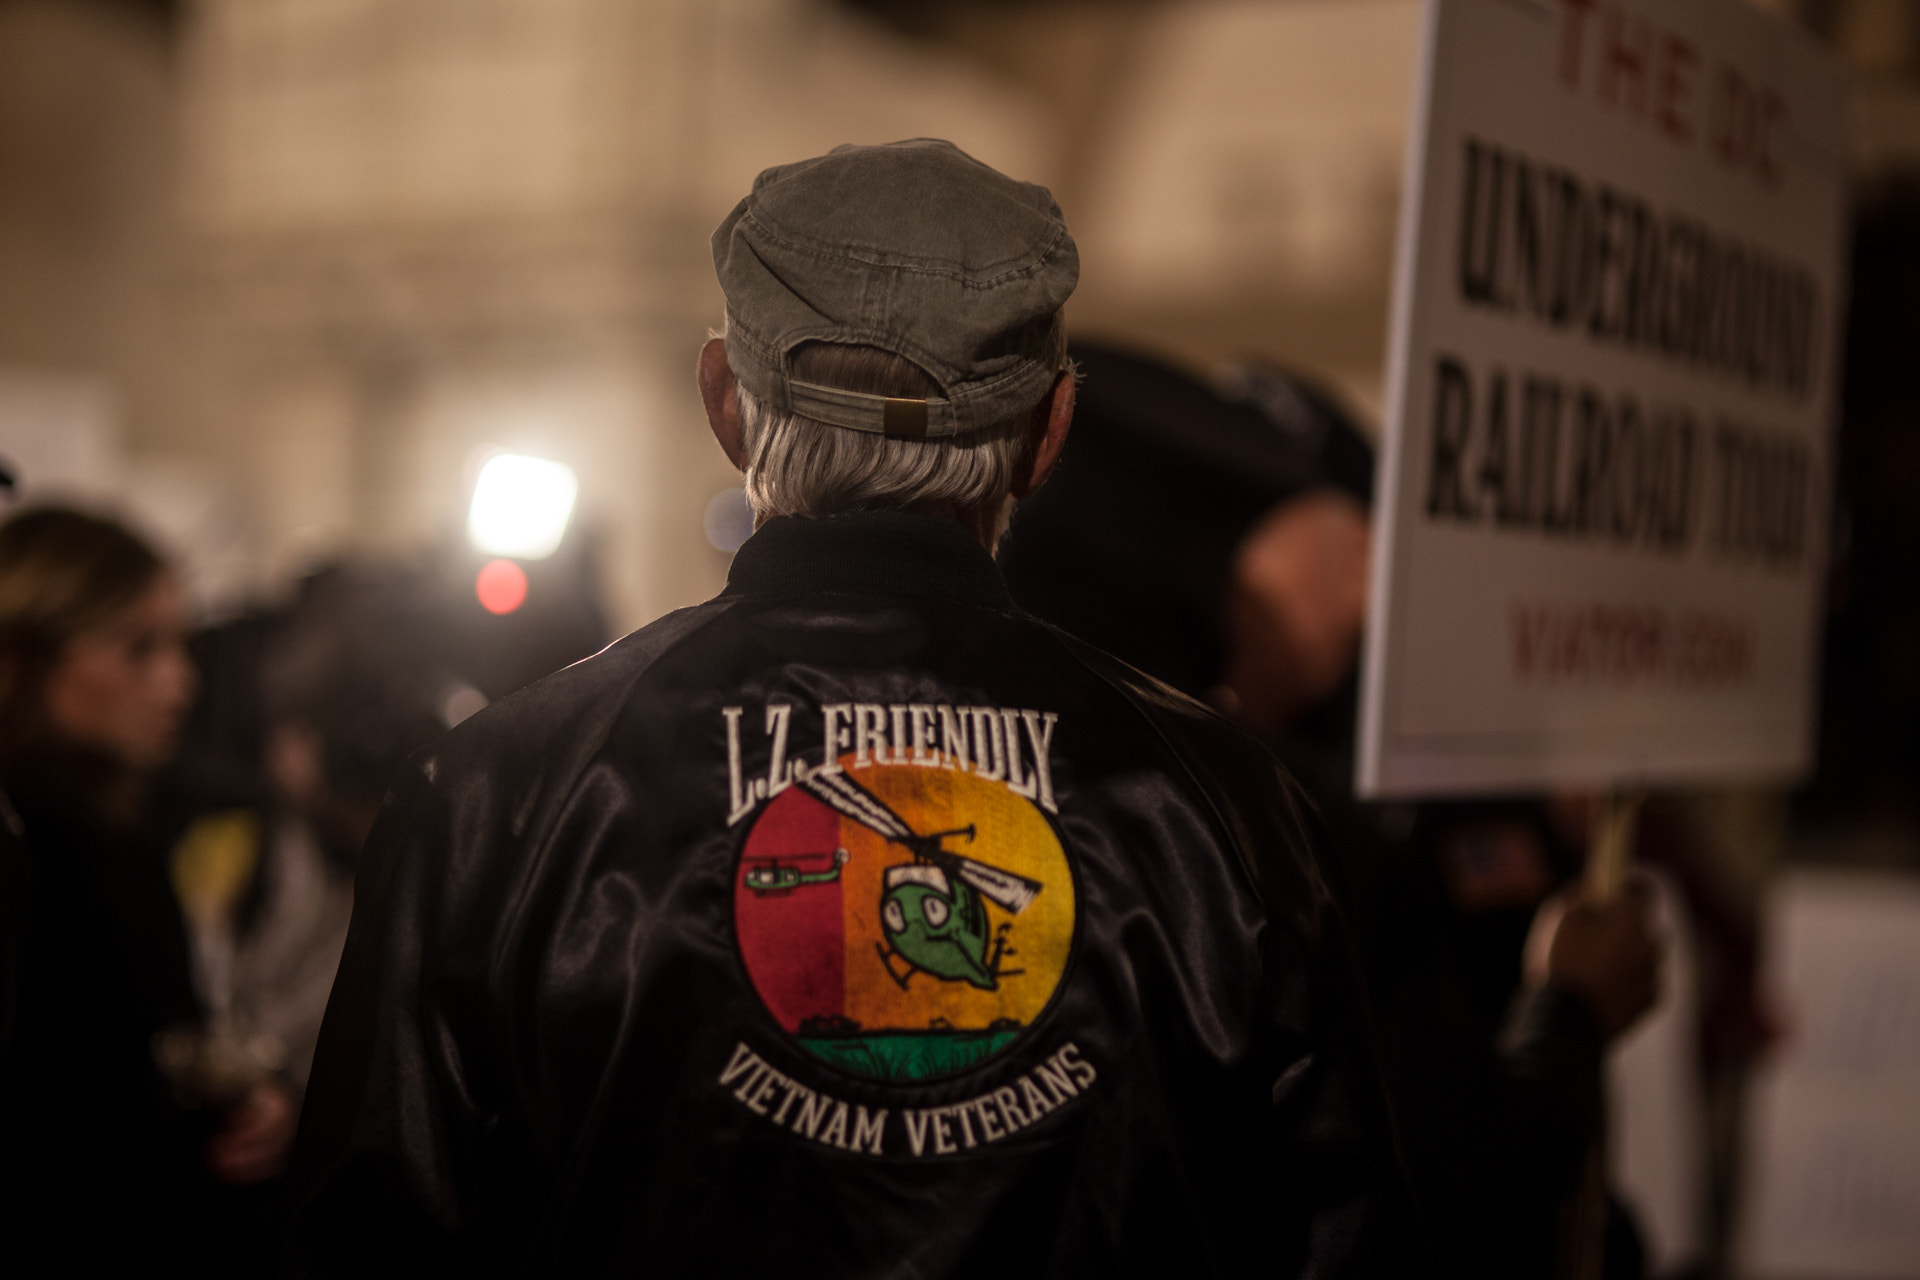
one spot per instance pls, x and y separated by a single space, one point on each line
718 392
1047 435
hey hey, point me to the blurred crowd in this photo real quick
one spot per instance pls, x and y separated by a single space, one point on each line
179 817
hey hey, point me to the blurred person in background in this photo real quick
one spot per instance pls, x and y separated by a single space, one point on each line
345 692
1218 538
346 705
104 1164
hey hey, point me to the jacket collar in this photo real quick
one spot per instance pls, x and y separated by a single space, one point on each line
869 553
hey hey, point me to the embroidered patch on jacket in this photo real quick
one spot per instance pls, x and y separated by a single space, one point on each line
905 910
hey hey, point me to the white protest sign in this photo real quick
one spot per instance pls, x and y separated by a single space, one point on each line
1610 393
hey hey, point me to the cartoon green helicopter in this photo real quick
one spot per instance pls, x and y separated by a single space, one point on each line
932 909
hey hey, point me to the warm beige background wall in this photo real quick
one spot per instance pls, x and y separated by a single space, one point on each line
300 259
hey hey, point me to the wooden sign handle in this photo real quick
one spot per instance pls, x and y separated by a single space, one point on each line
1583 1218
1610 847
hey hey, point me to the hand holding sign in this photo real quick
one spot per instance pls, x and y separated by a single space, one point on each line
1606 953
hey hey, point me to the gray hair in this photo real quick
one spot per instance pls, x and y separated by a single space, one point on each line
798 466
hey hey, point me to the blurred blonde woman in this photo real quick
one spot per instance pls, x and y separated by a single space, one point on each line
95 685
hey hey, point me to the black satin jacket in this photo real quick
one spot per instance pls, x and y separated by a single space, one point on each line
851 924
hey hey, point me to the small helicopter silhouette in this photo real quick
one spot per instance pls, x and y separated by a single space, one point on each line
931 909
770 877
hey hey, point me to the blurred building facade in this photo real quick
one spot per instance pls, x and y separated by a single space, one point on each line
309 256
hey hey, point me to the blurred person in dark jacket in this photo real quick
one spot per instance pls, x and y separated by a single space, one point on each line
1217 536
104 1165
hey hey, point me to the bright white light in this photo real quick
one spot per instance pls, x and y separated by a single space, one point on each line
520 506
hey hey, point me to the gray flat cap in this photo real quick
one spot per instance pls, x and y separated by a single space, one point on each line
915 248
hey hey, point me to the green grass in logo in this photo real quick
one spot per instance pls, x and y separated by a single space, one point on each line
909 1055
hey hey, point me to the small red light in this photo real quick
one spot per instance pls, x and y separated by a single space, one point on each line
501 586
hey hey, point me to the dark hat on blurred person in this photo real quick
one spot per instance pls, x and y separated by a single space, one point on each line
914 248
1313 424
1130 544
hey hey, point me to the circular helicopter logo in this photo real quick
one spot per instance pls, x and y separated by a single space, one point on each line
906 925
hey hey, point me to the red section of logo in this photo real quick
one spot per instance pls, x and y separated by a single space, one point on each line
793 942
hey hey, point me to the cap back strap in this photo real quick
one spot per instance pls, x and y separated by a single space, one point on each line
895 417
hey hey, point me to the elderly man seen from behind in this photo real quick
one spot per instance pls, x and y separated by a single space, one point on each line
853 923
